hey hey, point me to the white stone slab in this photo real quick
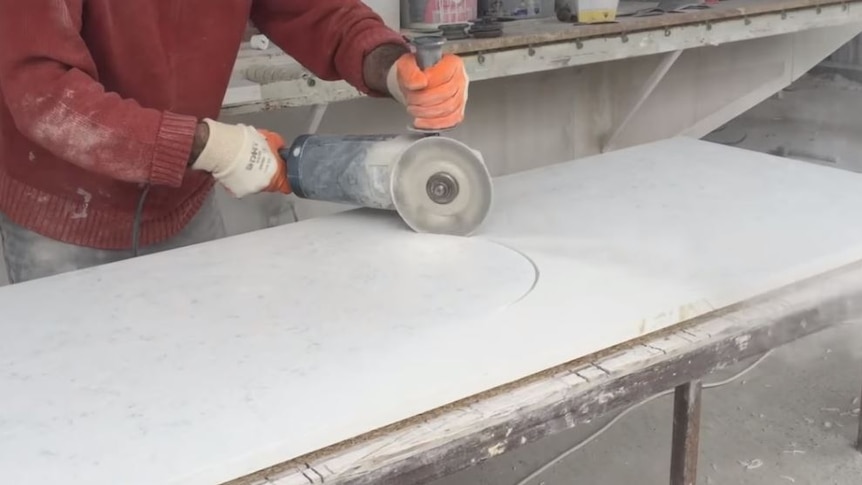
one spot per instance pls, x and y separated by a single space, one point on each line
204 364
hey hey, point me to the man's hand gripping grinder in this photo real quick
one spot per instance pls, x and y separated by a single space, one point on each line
436 184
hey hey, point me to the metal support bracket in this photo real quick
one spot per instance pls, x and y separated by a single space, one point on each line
317 113
647 89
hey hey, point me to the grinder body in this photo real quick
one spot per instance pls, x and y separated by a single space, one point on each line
436 184
349 169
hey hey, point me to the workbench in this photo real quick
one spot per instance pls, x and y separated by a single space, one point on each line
347 349
269 79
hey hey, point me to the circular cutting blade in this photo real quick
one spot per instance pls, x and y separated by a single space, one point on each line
441 186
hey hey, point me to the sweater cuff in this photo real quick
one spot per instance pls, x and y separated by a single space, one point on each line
361 48
173 149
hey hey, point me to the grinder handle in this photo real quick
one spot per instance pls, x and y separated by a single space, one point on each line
429 50
288 154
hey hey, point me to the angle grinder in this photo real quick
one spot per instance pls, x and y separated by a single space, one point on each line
436 184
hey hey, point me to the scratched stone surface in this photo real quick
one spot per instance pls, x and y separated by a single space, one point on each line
204 367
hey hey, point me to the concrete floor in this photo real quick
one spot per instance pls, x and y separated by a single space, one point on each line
791 420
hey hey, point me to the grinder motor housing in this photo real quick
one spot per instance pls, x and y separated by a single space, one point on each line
436 184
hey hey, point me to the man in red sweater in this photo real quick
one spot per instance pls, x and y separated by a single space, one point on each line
107 131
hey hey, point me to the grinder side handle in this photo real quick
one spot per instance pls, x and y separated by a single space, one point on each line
429 50
290 155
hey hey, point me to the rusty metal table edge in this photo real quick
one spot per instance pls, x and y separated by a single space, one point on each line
750 329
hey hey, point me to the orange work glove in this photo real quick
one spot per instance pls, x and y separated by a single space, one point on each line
243 159
279 182
437 97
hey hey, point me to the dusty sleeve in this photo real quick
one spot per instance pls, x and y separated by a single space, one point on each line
48 81
329 37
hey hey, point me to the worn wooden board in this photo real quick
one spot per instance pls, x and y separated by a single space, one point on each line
205 364
460 435
530 46
520 33
550 30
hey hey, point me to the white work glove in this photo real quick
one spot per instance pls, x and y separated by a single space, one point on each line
243 159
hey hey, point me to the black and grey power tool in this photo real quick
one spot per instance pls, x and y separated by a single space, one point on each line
436 184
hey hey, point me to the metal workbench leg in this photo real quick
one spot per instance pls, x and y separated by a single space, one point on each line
859 433
686 434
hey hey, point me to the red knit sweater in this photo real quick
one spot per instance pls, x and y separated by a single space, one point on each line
101 97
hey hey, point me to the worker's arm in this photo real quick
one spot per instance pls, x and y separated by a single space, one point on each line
47 79
331 38
345 39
